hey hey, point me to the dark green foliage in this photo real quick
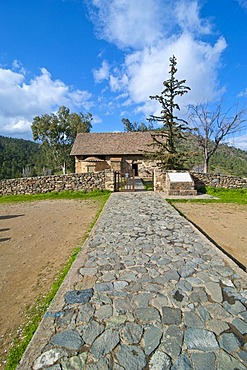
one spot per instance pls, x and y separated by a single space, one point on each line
166 140
135 126
57 133
17 154
230 161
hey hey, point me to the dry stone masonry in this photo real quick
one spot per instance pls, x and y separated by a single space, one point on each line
44 184
105 180
219 181
146 292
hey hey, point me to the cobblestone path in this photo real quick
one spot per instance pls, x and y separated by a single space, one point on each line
149 292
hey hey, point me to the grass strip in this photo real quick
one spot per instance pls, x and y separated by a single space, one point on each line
35 313
66 194
237 196
148 184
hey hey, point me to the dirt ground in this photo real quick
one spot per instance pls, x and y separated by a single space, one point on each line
36 240
226 224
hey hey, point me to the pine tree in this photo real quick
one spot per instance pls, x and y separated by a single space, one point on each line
165 140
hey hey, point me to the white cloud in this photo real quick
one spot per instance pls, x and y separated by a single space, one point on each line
102 73
17 66
188 18
129 23
118 81
79 99
151 33
144 71
239 142
21 100
137 24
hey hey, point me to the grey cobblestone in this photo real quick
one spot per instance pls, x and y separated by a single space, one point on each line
154 294
131 357
78 296
203 361
152 338
69 339
172 341
104 343
132 333
200 339
160 360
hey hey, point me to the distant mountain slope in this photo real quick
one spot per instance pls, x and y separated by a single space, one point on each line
18 154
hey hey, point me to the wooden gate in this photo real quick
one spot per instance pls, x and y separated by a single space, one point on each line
124 181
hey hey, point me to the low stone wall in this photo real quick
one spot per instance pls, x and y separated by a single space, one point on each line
218 181
202 180
44 184
104 180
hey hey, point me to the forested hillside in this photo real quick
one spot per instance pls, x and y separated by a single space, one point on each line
227 160
17 155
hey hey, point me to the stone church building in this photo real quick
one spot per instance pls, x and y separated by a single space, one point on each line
119 151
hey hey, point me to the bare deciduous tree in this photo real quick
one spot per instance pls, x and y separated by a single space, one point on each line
212 127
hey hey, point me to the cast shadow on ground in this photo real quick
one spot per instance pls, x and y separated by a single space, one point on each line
4 239
6 217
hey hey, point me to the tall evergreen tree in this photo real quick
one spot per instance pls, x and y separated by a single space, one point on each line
165 140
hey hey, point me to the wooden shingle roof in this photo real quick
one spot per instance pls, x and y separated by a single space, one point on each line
108 143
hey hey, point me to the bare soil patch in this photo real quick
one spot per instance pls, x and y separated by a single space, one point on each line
36 240
226 224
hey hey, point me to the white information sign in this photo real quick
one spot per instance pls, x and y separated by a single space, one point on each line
179 177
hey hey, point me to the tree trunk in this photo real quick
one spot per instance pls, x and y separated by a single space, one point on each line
206 161
64 168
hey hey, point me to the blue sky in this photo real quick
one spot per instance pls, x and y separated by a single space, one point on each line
108 56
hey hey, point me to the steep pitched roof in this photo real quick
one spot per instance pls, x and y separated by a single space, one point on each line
108 143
